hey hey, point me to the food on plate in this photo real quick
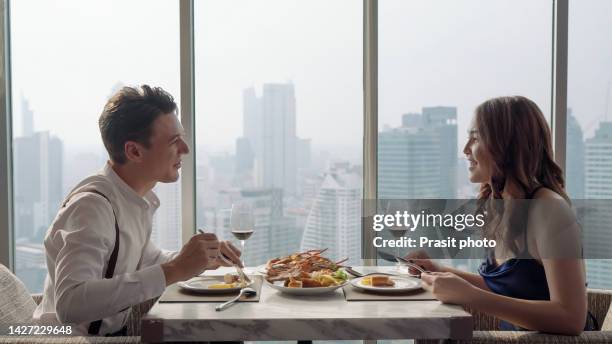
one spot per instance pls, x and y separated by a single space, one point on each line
291 283
231 278
229 281
306 270
378 281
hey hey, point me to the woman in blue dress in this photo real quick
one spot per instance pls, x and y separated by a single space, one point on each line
524 281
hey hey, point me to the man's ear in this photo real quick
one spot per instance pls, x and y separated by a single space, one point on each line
134 151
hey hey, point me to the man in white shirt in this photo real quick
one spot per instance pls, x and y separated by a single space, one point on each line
98 250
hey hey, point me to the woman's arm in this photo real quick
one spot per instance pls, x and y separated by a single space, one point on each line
556 240
420 257
565 313
474 279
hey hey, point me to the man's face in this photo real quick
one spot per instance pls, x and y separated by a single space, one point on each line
162 160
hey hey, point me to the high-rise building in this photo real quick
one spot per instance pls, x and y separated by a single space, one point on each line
245 156
574 175
38 163
598 163
419 159
27 118
408 163
270 129
252 118
334 221
598 186
412 120
443 121
166 232
38 178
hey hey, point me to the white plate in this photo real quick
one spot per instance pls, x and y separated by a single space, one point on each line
278 285
402 284
200 285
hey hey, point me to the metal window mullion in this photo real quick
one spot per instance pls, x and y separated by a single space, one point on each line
559 80
370 124
188 172
6 137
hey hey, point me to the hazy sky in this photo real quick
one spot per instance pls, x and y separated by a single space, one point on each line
68 56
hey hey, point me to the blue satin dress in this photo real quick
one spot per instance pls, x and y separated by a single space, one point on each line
522 278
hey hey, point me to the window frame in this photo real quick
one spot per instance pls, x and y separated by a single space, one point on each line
187 109
6 143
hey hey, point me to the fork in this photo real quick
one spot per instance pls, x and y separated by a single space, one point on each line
243 277
356 273
412 265
241 274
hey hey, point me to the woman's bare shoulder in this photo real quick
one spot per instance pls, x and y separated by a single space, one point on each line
553 226
546 193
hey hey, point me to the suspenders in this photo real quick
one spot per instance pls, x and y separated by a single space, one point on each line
94 327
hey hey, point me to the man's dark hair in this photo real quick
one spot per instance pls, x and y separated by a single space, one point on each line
129 115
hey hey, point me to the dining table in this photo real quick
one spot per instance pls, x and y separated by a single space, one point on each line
278 316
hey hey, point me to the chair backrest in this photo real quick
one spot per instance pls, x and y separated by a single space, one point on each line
16 304
599 301
599 305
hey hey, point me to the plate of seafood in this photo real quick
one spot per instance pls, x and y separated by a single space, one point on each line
305 273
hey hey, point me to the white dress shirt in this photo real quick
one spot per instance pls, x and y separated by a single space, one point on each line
78 245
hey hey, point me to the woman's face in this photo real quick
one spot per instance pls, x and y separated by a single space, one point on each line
474 150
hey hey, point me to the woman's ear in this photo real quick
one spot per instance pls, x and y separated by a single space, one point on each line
133 151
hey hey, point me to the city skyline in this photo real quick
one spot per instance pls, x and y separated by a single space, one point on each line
430 55
434 49
286 220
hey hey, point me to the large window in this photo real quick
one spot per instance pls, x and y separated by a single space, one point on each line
68 57
279 106
279 122
438 60
589 120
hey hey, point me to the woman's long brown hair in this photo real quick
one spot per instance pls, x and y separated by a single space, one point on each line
518 142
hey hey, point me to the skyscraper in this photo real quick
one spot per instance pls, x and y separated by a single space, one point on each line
27 118
419 159
408 163
245 157
38 177
443 121
38 163
334 221
270 129
167 219
598 163
574 175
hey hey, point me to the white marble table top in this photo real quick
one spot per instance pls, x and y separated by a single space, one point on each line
327 317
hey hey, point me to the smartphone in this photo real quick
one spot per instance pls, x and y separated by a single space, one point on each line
387 256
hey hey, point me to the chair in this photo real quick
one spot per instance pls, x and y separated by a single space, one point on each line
17 307
485 327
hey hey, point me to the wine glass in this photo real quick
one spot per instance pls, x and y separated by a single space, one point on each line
398 232
242 223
